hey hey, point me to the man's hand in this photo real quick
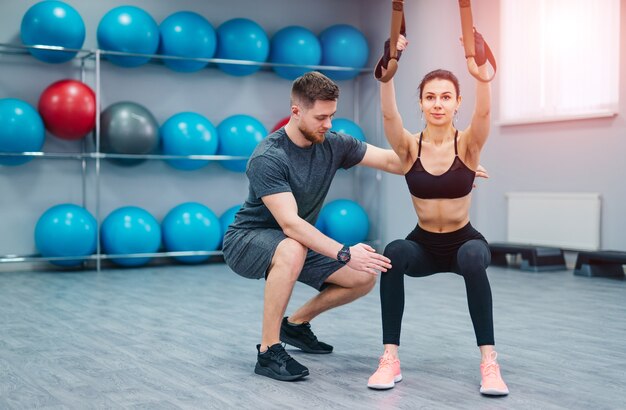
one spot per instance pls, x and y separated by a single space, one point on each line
480 173
365 259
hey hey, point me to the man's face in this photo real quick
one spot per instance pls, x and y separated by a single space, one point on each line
313 122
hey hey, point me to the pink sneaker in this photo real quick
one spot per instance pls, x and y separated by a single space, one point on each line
387 374
492 383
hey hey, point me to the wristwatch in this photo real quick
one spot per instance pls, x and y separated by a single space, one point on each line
343 255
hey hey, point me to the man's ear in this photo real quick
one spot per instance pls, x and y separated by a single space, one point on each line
295 111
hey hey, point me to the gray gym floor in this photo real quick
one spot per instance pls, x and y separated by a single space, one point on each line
184 337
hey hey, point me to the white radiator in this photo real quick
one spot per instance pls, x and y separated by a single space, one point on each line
564 220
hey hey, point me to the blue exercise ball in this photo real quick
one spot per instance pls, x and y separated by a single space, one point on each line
345 221
320 224
346 126
66 230
187 34
343 46
21 130
53 23
128 230
294 45
191 227
128 29
241 39
239 136
188 133
227 219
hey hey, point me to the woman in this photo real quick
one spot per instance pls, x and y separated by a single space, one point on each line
439 165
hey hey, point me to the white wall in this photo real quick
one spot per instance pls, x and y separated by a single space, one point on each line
572 156
28 190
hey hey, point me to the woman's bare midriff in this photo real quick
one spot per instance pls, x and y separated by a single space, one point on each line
442 215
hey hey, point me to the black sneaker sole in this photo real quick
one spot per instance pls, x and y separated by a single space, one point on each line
301 346
265 371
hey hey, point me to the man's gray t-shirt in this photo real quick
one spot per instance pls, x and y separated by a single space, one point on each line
278 165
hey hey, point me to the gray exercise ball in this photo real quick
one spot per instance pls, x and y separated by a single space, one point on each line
128 128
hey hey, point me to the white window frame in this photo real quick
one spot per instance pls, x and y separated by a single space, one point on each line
559 60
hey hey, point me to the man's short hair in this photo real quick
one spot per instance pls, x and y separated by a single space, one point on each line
311 87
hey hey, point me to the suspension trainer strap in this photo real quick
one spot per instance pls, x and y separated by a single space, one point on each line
470 45
390 57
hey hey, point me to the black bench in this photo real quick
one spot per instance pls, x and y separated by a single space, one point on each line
534 258
606 264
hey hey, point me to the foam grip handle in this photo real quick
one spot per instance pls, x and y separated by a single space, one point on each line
387 62
387 54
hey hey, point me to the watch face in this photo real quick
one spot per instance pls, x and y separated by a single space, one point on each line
344 255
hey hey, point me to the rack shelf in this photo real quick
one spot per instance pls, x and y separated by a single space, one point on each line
106 155
92 54
95 56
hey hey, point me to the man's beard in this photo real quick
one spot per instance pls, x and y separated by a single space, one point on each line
312 137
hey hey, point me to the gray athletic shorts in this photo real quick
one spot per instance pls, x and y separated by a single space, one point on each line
249 253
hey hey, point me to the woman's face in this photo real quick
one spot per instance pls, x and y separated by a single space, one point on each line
439 101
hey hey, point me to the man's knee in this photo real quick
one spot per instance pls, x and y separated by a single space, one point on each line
365 282
289 258
349 278
370 282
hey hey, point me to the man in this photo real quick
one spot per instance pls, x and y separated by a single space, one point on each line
273 235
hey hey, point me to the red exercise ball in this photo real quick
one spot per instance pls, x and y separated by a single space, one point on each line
68 109
281 123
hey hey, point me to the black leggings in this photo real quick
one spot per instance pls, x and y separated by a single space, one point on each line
423 253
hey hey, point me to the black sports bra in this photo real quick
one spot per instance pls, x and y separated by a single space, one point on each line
456 182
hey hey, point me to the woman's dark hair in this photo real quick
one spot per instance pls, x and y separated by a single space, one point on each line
439 75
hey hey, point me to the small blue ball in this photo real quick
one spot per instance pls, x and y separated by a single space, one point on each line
53 23
239 136
241 39
294 45
349 127
345 221
191 227
187 34
128 230
21 130
343 46
188 133
128 29
66 230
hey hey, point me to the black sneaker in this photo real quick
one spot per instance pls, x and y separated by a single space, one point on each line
276 363
302 337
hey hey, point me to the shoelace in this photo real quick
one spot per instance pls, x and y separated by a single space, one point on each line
281 355
385 362
308 333
490 369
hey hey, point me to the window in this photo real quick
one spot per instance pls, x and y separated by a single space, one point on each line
559 60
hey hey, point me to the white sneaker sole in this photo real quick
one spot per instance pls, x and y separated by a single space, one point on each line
396 379
494 392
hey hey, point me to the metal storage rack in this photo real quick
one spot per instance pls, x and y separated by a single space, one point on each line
88 56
